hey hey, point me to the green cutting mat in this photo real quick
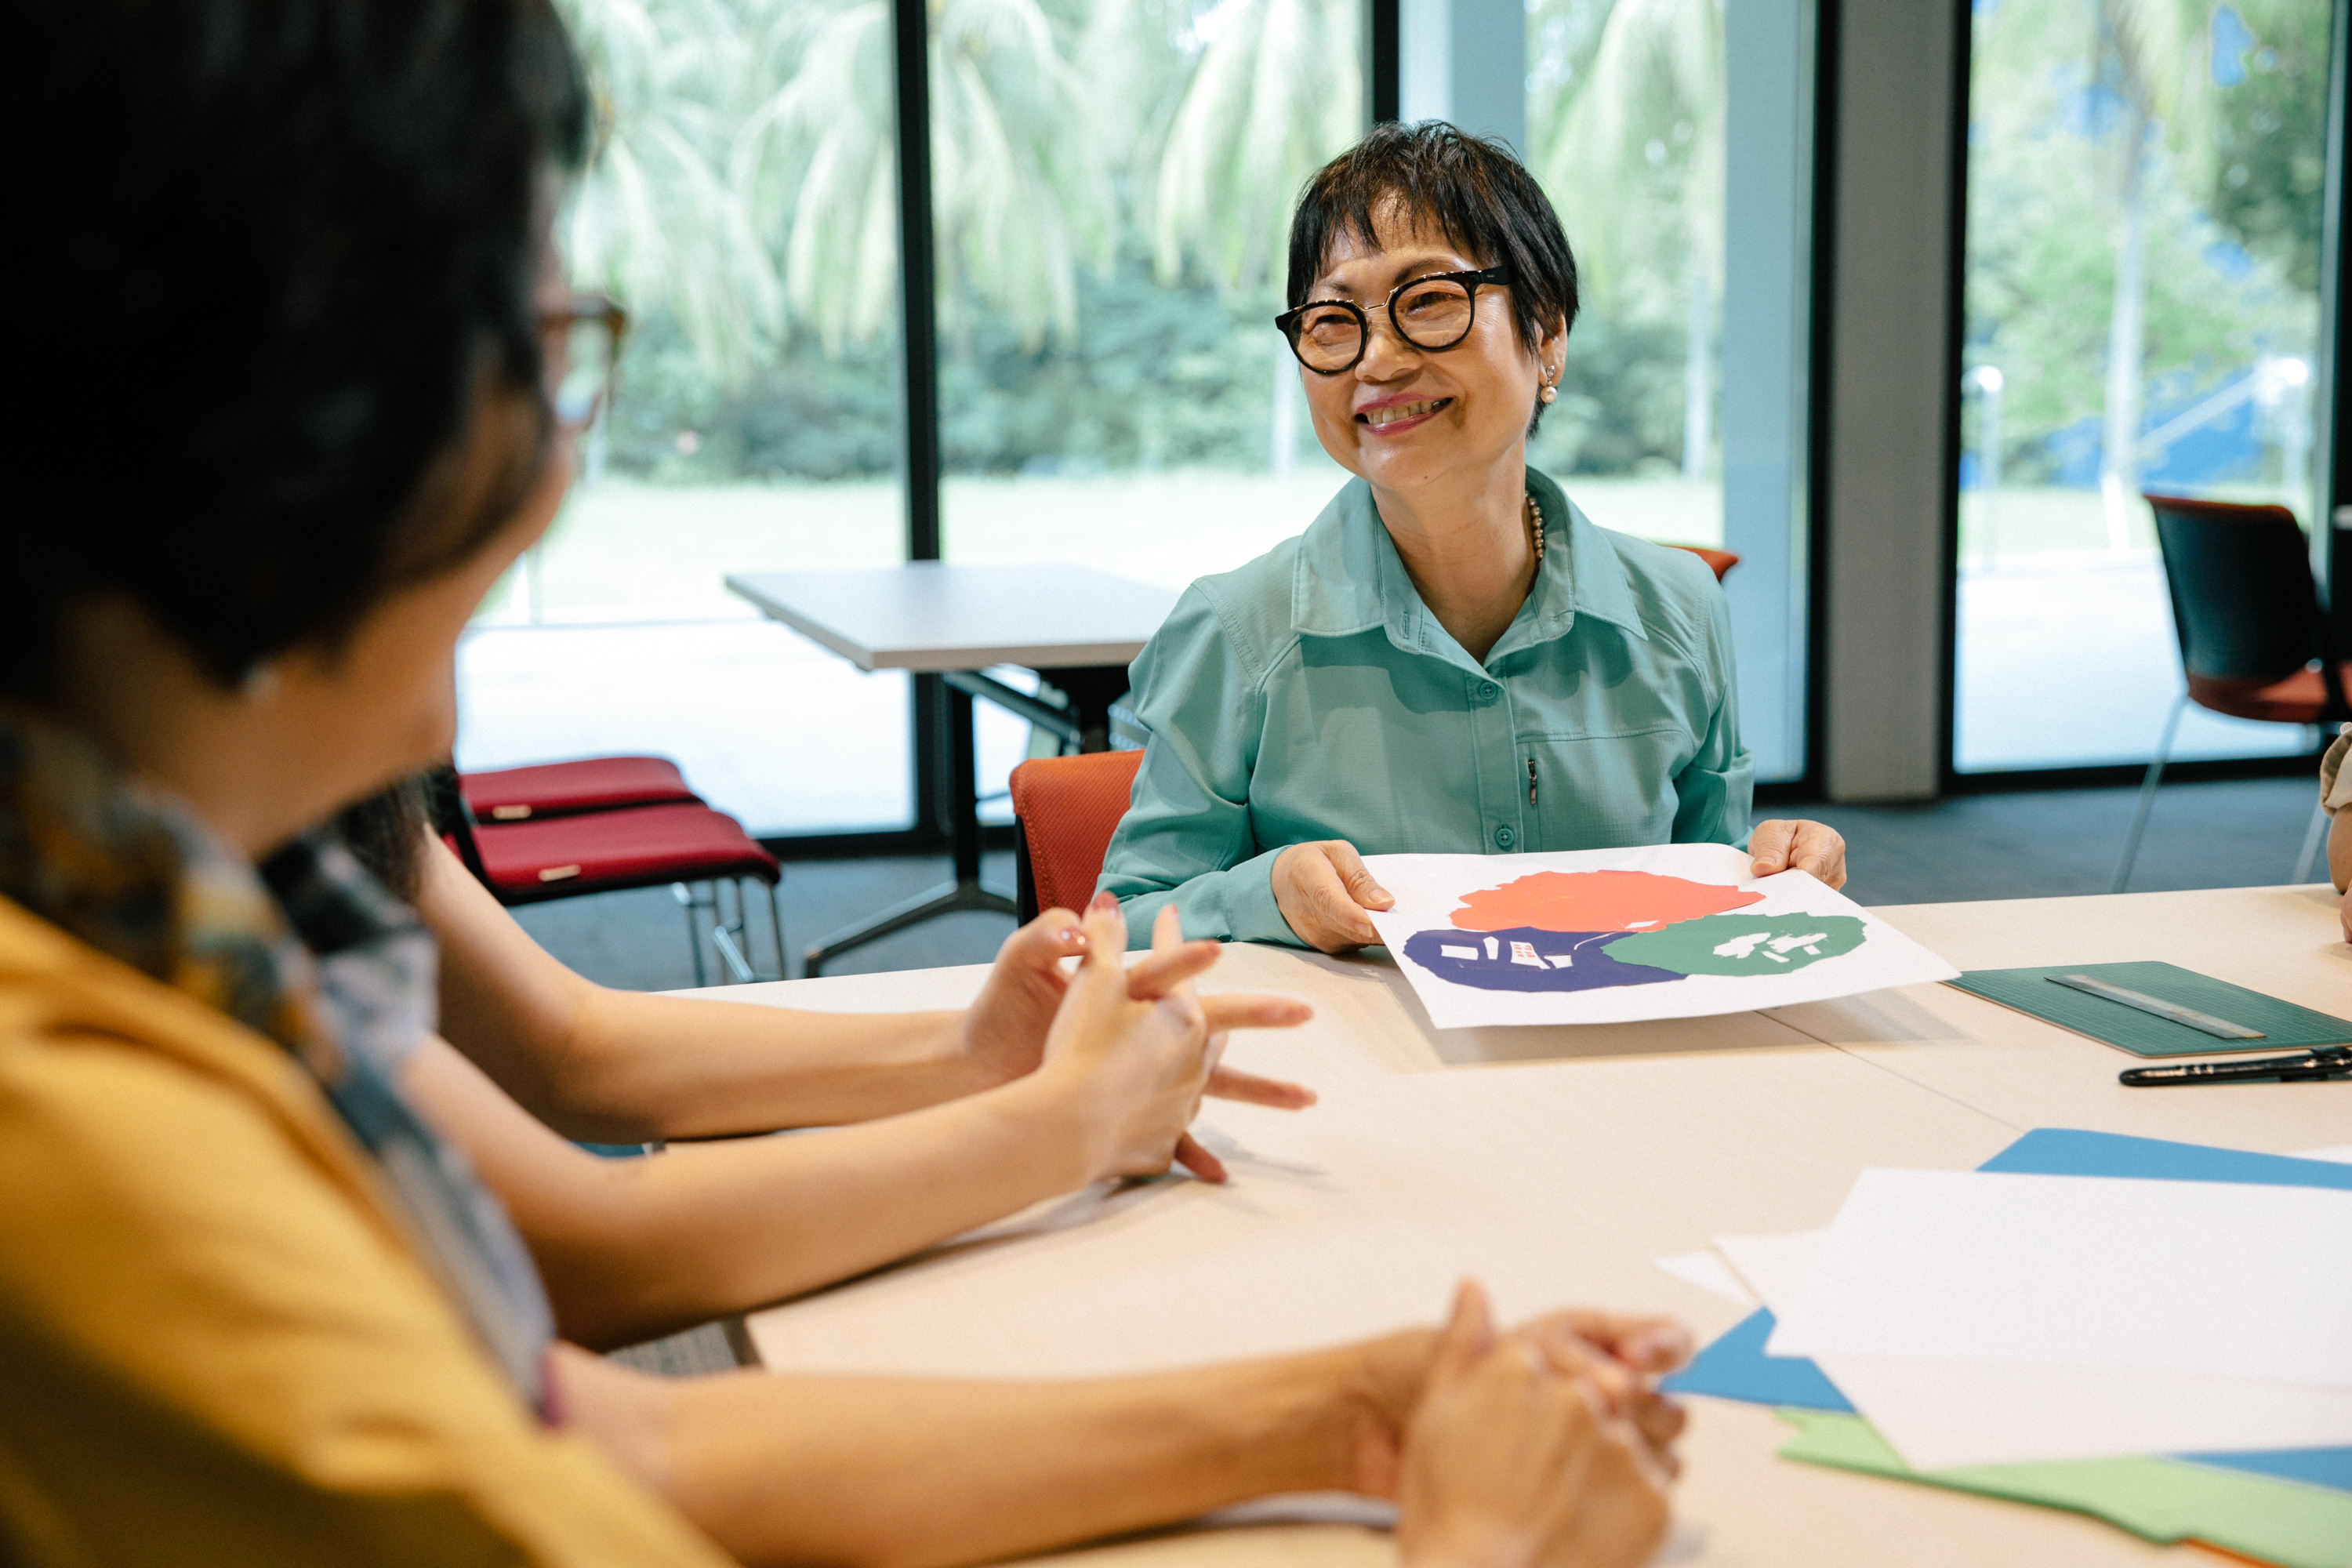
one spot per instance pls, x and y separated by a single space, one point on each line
2284 1026
2163 1500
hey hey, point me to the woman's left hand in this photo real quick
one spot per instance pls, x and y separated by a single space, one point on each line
1777 847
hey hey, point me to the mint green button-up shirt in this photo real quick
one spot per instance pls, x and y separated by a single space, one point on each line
1312 695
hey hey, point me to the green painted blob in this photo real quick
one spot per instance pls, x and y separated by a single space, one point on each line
1741 943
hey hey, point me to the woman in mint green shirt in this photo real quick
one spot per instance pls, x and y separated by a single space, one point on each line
1452 659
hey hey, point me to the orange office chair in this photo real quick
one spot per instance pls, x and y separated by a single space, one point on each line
2255 643
1065 810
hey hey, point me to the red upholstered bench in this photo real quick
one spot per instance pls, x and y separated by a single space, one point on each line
598 852
684 843
563 789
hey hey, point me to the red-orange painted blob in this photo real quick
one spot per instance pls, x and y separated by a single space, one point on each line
1596 901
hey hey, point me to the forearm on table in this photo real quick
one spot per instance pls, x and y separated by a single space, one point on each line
622 1067
913 1474
633 1248
2339 849
642 1067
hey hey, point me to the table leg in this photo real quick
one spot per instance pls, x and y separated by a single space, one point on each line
962 894
1091 688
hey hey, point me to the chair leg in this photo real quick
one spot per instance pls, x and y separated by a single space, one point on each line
690 904
776 924
2147 795
2313 838
727 935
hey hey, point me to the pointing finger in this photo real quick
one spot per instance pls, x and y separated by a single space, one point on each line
1251 1090
1199 1161
1244 1010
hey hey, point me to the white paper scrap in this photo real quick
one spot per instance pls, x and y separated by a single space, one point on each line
1774 1266
1709 1271
1938 1415
1612 936
1941 1414
2340 1154
2210 1278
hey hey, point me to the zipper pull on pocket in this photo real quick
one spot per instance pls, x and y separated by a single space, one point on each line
1531 781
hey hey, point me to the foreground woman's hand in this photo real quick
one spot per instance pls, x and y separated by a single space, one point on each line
1518 1456
1776 847
1137 1048
1004 1028
1323 890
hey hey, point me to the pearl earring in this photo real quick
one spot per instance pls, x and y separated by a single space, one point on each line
1549 390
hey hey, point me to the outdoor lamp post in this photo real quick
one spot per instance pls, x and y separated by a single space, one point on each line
1985 381
2279 382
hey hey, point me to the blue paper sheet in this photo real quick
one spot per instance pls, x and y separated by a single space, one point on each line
1735 1366
2069 1151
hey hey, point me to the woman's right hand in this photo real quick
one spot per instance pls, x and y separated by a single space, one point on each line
1518 1456
1323 890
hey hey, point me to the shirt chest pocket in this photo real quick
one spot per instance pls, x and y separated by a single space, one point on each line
1606 791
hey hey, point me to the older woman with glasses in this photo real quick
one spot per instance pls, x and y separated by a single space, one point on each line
1452 659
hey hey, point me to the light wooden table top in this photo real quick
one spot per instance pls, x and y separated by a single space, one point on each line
937 616
1557 1171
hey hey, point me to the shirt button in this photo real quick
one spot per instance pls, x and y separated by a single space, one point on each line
1488 691
1505 838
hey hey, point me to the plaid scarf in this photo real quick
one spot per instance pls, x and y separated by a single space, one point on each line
313 953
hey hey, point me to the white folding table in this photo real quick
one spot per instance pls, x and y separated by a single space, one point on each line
1556 1164
949 623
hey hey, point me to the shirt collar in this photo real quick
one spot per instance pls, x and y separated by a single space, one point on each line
1349 579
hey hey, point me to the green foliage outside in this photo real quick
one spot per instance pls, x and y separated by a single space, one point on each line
2225 194
1113 183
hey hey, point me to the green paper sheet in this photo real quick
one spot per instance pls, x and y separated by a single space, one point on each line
2286 1026
2163 1500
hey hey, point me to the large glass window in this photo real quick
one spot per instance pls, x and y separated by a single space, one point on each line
742 205
1673 134
1112 186
2144 184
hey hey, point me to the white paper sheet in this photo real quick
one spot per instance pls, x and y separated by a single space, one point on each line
1709 1271
1774 1266
1544 939
2210 1278
1938 1413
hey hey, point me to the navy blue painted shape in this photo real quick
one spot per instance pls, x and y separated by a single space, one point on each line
1589 968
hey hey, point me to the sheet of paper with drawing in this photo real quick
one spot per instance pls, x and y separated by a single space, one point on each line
1610 936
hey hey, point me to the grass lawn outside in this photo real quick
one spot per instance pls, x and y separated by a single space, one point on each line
624 549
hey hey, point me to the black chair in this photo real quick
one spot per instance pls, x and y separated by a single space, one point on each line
2255 643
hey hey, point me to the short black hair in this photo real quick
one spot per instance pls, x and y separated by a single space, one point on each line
1476 190
283 249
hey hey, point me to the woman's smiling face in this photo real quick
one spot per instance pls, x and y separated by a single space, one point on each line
1405 418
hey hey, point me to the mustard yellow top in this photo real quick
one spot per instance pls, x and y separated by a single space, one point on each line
216 1346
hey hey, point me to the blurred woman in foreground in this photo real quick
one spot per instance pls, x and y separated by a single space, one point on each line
251 1309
